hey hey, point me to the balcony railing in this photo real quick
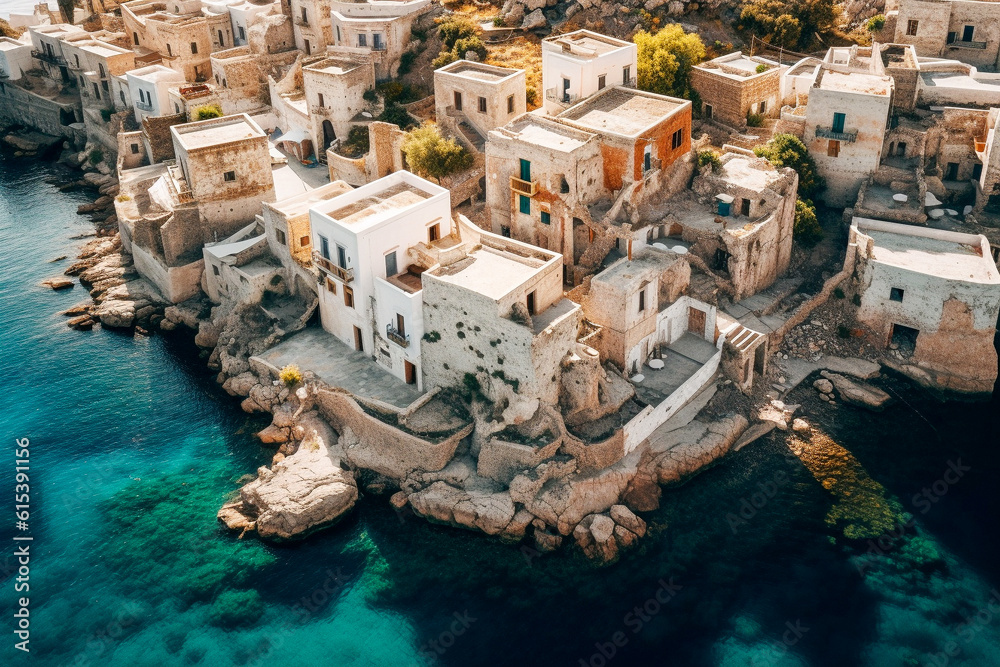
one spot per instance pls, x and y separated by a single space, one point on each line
963 44
555 95
346 275
47 57
396 337
527 188
845 135
142 106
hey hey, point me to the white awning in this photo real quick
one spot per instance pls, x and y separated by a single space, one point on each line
296 136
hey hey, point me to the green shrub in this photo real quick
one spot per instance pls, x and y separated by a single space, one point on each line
123 197
531 95
397 115
444 58
755 119
431 154
787 150
498 21
455 28
466 44
96 156
406 62
875 23
357 143
290 375
856 299
708 157
208 111
761 68
838 293
370 95
806 229
419 34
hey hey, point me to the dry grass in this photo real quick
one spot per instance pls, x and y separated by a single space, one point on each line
521 52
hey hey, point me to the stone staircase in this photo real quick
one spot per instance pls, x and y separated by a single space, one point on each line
472 135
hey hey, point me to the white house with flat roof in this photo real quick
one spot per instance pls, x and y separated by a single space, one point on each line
846 120
47 44
578 64
15 58
371 297
149 87
934 295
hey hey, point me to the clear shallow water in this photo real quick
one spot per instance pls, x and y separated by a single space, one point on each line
134 448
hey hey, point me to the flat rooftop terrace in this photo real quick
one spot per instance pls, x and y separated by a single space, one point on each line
479 71
681 359
961 81
548 135
489 272
193 136
741 171
945 259
300 204
855 82
587 44
393 198
335 66
622 111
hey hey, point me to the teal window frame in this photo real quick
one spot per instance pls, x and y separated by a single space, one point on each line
524 204
546 218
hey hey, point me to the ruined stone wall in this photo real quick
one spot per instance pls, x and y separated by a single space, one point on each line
271 34
342 97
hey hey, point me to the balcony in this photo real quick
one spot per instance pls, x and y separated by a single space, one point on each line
526 188
828 133
346 275
554 95
50 58
963 44
142 106
396 337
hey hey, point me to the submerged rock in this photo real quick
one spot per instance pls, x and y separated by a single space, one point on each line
857 393
58 283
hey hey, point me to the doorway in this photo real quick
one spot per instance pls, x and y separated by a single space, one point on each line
329 136
359 341
409 372
696 321
531 303
904 338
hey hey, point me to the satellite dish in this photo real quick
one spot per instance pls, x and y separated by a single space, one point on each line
679 249
366 114
659 246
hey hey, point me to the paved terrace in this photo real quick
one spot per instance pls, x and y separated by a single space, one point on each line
622 111
313 349
682 359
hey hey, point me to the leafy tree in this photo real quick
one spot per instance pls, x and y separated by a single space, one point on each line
430 154
709 157
806 229
875 23
474 44
208 111
789 23
666 59
396 115
455 28
444 58
787 150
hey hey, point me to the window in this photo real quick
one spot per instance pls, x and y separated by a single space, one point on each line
305 15
242 32
377 42
104 87
215 269
833 148
390 264
967 33
321 101
341 256
895 294
647 158
952 36
977 171
546 218
677 140
222 40
229 176
362 40
97 91
525 169
951 172
510 104
565 90
433 233
642 301
482 105
563 185
763 108
911 27
194 47
324 247
348 297
307 47
280 236
531 303
304 241
708 111
331 286
626 75
458 101
135 38
177 107
505 231
338 33
839 120
135 149
524 204
401 325
170 50
602 81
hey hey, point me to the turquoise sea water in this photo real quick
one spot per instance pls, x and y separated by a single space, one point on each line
133 449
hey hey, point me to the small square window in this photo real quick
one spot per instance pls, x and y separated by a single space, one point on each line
348 297
304 241
331 286
215 269
833 148
505 231
911 27
194 47
229 176
677 140
642 301
135 149
895 294
602 81
280 236
546 218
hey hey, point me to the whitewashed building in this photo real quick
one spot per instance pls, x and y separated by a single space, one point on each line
578 64
149 88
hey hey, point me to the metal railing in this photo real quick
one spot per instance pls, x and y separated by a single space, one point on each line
346 275
527 188
142 106
555 95
396 336
845 135
47 57
963 44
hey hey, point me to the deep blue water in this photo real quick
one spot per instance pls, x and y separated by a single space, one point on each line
133 448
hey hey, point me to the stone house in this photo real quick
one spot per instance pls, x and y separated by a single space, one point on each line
380 28
545 176
334 89
966 30
370 246
845 125
243 13
987 148
148 89
214 186
180 31
481 97
311 25
734 86
15 58
933 296
98 68
580 63
289 239
495 311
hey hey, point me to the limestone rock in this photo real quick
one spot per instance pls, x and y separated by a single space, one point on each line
546 542
624 517
58 283
273 435
305 491
443 503
602 528
116 314
823 386
857 393
800 425
207 336
535 19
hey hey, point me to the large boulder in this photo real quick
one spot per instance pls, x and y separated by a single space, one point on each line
443 503
535 19
857 393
